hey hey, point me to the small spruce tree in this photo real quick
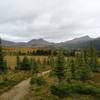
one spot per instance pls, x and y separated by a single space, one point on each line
51 60
25 64
18 62
34 66
1 58
84 70
73 68
93 57
59 69
68 72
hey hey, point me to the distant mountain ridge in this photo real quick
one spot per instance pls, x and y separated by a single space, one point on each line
34 43
84 38
75 43
39 42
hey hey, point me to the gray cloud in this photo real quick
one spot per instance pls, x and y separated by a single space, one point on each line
54 20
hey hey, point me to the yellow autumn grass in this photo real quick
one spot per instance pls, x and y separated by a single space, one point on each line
11 60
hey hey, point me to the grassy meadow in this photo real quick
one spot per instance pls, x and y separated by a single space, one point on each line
11 60
65 68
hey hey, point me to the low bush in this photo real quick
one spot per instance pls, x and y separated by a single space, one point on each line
60 90
64 90
38 81
2 82
85 89
82 89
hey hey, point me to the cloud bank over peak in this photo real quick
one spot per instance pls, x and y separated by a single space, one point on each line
54 20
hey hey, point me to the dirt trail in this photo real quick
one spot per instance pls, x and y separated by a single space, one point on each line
19 91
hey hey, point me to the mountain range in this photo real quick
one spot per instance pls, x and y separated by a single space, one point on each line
32 43
75 43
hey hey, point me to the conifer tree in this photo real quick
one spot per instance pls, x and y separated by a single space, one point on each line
83 69
59 69
68 72
73 68
25 64
77 71
5 72
1 58
51 60
18 62
86 56
34 66
5 66
93 57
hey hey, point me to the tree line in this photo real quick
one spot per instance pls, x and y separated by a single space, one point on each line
73 73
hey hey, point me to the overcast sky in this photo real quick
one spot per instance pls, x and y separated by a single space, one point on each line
53 20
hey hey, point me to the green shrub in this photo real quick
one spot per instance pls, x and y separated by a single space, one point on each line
96 90
82 89
2 82
85 89
64 90
38 81
60 90
25 64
